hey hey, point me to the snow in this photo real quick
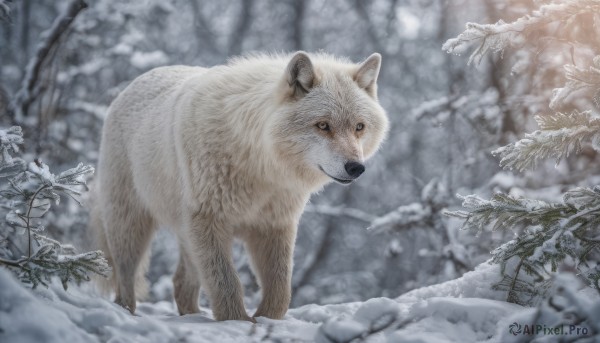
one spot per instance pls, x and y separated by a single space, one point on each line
410 24
474 284
402 216
145 60
456 320
462 310
27 318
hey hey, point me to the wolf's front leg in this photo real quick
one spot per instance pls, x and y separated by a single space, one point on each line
213 244
271 252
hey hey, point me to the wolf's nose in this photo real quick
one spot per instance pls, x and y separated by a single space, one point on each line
354 169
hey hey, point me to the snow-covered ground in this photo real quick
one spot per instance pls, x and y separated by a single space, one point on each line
462 310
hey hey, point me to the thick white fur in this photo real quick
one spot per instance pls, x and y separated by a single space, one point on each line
229 151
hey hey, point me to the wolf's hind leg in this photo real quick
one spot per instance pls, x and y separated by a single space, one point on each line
186 282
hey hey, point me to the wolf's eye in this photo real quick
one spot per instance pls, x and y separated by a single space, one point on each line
323 126
360 126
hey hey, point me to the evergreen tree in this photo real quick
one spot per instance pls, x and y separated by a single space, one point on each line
549 234
26 195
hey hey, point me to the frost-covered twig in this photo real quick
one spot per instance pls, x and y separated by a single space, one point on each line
433 106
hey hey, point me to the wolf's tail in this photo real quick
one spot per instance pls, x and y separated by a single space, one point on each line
97 227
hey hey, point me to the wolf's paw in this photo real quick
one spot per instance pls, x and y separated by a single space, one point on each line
237 315
128 305
188 309
273 313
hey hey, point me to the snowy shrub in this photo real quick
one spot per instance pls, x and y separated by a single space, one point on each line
548 234
551 234
26 194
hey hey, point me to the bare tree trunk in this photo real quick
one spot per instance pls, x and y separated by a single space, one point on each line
4 100
243 24
205 37
361 8
47 102
30 88
24 30
299 8
314 260
496 72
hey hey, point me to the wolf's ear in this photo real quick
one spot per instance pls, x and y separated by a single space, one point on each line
366 75
300 74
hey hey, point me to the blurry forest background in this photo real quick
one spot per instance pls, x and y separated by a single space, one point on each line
381 236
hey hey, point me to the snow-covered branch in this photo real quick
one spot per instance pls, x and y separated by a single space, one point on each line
497 37
579 79
550 233
340 211
403 217
433 199
560 135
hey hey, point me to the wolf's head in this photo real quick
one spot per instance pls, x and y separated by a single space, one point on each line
331 121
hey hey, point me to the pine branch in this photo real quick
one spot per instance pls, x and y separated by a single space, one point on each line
504 211
47 263
577 79
548 233
10 263
560 135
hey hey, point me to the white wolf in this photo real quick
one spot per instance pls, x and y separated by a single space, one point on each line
229 151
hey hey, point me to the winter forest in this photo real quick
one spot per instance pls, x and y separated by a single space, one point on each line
476 221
